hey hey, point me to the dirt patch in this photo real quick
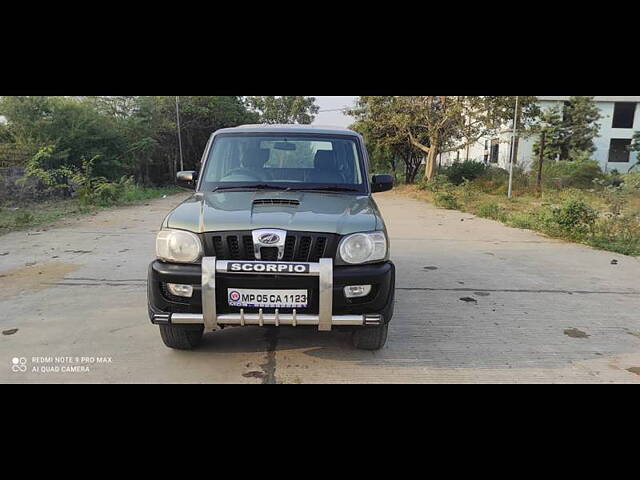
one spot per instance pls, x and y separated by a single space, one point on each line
635 370
254 374
575 333
33 278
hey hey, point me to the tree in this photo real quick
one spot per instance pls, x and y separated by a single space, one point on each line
569 133
453 122
6 136
581 116
115 106
120 135
551 124
438 124
635 147
377 121
73 129
284 110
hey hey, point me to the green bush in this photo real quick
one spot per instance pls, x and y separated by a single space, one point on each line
437 183
24 218
574 217
527 220
469 170
446 199
468 192
618 234
107 193
493 180
631 181
561 174
490 210
616 198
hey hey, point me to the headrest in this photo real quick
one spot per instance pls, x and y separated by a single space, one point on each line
263 154
325 160
257 156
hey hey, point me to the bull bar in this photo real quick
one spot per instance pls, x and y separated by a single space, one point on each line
211 320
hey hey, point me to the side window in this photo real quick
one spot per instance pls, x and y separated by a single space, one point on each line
619 150
623 115
495 150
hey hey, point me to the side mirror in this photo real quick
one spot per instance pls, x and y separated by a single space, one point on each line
187 179
381 183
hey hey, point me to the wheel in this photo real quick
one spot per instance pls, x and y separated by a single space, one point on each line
181 337
370 338
388 311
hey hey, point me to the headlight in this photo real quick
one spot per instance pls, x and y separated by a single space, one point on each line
178 246
363 247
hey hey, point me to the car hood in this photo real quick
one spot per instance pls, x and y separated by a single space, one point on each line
317 212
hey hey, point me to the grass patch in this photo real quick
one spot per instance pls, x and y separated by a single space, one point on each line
42 214
446 200
605 218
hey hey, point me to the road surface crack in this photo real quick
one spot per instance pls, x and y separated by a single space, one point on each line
269 367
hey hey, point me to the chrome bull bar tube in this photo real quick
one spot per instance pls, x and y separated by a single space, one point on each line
209 316
324 320
289 319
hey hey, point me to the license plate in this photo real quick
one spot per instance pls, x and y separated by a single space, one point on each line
239 297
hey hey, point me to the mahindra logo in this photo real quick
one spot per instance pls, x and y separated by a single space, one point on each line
269 239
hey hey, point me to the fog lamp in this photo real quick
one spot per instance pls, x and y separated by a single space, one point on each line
180 290
357 291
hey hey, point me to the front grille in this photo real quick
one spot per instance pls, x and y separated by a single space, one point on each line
299 246
269 253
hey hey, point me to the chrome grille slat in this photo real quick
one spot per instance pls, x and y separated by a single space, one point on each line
299 246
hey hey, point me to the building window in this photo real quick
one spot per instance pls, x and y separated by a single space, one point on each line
619 150
623 114
495 150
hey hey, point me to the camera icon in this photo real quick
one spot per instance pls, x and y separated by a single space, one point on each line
19 365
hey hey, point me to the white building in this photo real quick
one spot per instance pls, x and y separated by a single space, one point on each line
620 119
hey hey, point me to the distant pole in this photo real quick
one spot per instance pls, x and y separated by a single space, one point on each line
539 185
179 133
513 148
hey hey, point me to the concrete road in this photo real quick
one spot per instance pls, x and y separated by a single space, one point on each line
476 302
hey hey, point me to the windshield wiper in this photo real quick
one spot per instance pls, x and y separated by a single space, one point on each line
328 189
252 187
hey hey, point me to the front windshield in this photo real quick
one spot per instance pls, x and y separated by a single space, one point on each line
292 162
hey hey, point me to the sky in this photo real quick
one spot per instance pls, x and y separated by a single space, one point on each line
337 119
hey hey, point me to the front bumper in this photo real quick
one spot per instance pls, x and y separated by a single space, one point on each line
328 307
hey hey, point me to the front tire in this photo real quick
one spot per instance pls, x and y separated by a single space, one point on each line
370 338
182 337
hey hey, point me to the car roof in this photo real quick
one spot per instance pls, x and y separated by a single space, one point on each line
319 129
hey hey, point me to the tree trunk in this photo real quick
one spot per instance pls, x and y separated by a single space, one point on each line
410 168
431 159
